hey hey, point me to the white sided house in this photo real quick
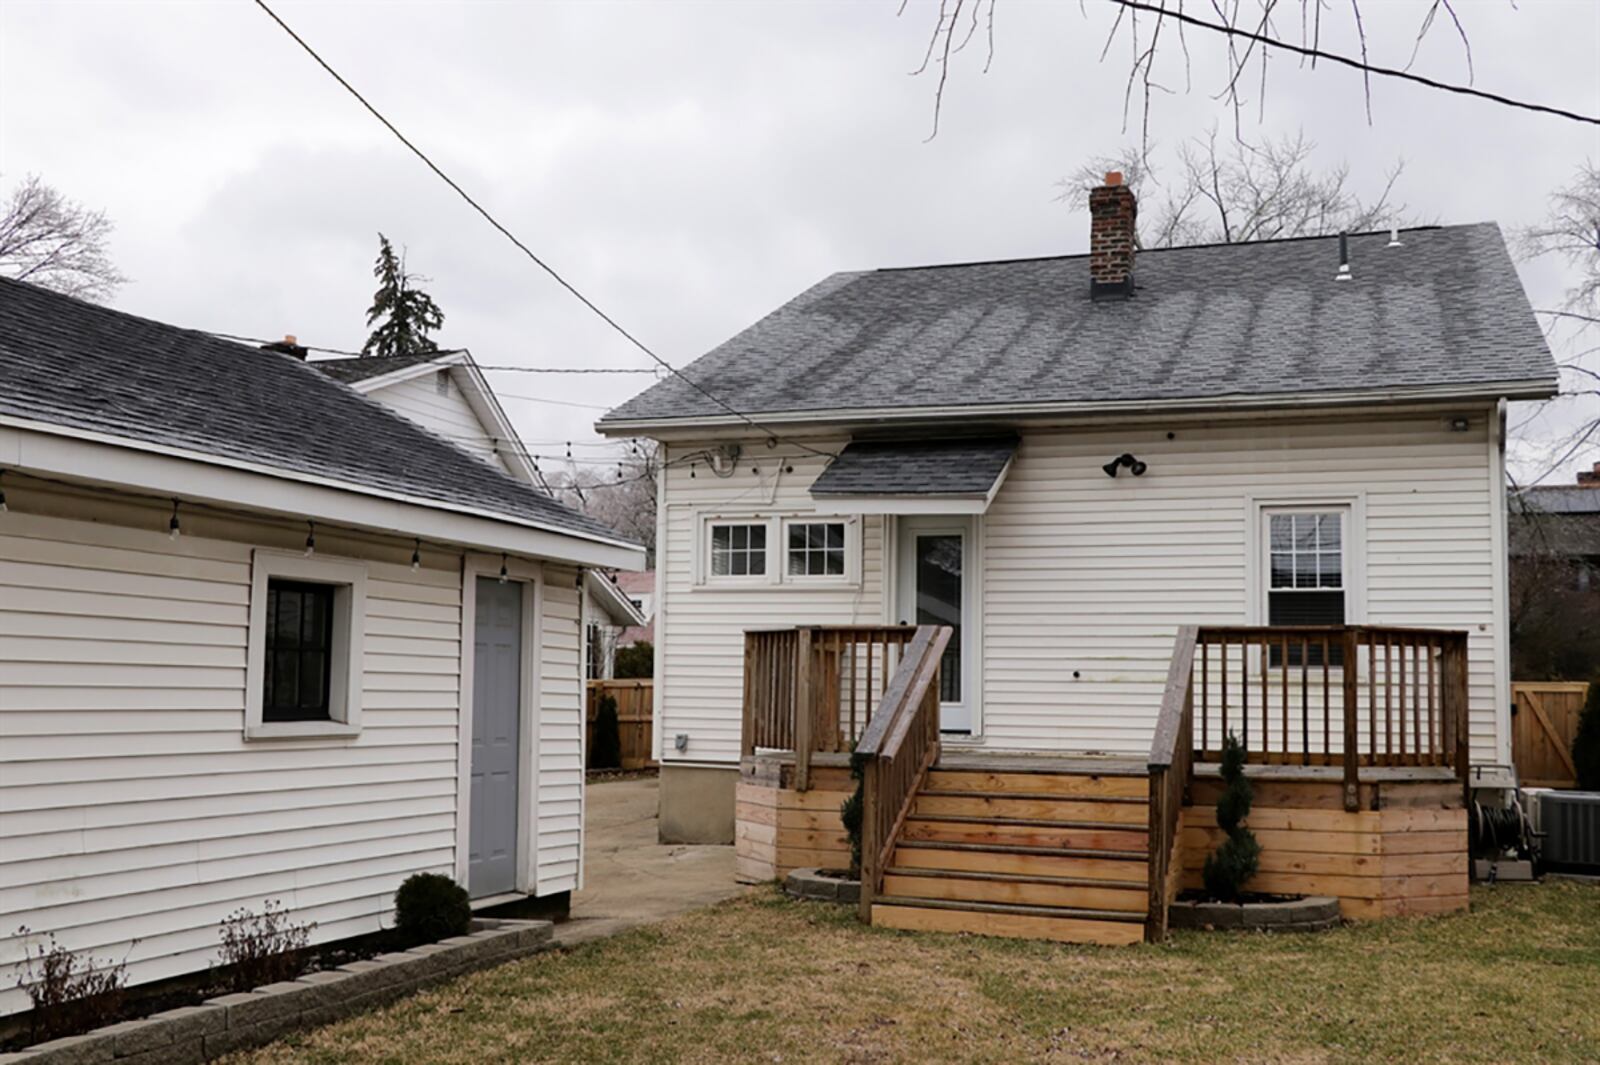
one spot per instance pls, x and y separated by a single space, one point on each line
263 638
1069 460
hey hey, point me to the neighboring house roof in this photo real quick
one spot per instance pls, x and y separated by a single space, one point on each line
640 583
371 375
67 363
1561 521
902 467
360 368
1262 323
613 600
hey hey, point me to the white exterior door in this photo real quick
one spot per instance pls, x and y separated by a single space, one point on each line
496 739
935 588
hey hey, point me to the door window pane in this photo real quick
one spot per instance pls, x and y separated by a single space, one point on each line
939 603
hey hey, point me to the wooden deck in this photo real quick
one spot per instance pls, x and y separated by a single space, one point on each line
1359 784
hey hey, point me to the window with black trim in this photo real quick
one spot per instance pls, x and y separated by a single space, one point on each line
738 550
299 651
816 549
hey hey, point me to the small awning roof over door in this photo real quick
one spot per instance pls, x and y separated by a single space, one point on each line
959 475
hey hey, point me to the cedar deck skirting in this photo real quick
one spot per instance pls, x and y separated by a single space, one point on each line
778 829
1406 856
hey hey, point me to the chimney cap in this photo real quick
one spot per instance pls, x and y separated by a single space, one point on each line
1113 178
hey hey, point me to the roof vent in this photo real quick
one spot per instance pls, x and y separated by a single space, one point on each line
1394 238
1344 258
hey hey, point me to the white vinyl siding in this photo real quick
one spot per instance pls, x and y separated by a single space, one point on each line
134 814
447 414
559 809
1086 578
700 627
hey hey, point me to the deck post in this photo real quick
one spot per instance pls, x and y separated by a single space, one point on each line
747 719
803 714
1352 696
1453 679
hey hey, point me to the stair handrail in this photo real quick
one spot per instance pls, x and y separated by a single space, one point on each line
895 752
1171 766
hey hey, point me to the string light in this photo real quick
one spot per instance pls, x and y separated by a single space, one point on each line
311 538
416 555
503 573
172 524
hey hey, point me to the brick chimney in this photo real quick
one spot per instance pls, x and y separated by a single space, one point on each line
1112 213
289 345
1590 479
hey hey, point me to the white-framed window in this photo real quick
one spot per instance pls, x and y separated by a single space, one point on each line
760 550
1306 566
738 549
303 658
814 548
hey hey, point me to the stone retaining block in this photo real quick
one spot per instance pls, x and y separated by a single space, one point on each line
222 1025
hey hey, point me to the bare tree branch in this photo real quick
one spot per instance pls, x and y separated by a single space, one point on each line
53 242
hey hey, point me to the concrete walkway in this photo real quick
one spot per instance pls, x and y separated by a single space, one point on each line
630 879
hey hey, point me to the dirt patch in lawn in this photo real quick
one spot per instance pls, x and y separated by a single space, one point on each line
763 978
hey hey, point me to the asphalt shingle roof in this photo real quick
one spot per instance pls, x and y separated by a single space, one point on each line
937 467
351 370
71 363
1213 322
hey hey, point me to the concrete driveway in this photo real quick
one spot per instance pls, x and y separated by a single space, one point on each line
630 878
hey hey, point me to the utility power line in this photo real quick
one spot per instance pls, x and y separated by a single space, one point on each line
1162 11
517 242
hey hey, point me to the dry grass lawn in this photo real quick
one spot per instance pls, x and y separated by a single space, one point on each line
765 979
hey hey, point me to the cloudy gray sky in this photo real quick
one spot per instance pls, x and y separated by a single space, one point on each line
690 165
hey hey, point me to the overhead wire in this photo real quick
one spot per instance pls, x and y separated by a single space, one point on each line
516 241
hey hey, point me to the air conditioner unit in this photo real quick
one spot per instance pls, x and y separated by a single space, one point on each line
1570 821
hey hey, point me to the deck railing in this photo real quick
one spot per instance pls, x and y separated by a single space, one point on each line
1171 768
1348 696
895 752
816 687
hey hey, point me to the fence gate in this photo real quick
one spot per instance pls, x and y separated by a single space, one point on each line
1544 719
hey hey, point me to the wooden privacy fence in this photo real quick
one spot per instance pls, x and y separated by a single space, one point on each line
815 687
635 701
1544 720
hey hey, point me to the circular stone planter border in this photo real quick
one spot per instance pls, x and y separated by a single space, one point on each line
812 884
1315 913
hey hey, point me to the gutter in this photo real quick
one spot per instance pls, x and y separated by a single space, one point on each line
117 461
1533 388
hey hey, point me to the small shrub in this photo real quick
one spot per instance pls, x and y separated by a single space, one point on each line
1586 742
430 907
69 993
1235 862
263 948
850 812
605 752
635 662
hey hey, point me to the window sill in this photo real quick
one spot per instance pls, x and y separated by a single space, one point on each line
301 730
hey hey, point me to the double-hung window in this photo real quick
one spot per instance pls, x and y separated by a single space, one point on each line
1307 567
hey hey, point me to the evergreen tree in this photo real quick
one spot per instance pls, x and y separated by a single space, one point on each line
409 313
1236 860
605 750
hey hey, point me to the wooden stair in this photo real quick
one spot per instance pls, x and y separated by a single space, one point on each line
1029 855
